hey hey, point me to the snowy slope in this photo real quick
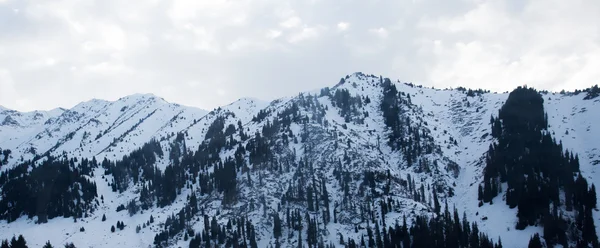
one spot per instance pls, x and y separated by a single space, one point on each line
574 121
459 126
94 128
16 126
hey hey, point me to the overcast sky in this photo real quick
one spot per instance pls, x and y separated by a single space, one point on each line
207 53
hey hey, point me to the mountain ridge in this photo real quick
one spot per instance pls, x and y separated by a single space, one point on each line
448 128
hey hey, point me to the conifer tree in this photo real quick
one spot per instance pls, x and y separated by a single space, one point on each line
47 245
276 226
300 239
535 242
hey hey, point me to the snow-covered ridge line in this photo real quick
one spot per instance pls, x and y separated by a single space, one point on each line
457 120
93 128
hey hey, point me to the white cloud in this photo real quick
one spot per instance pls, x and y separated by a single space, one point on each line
381 32
483 20
291 22
58 53
499 50
272 34
7 85
107 68
343 26
238 44
306 33
113 37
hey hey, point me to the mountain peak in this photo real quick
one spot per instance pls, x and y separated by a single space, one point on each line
357 78
249 100
133 99
142 97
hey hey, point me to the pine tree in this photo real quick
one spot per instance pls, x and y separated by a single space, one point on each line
589 230
406 240
276 226
474 238
325 196
214 228
378 240
535 242
362 241
19 242
195 242
436 202
592 196
253 243
300 239
103 217
47 245
112 229
370 236
309 199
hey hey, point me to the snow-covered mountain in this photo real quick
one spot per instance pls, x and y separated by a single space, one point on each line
336 141
94 128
